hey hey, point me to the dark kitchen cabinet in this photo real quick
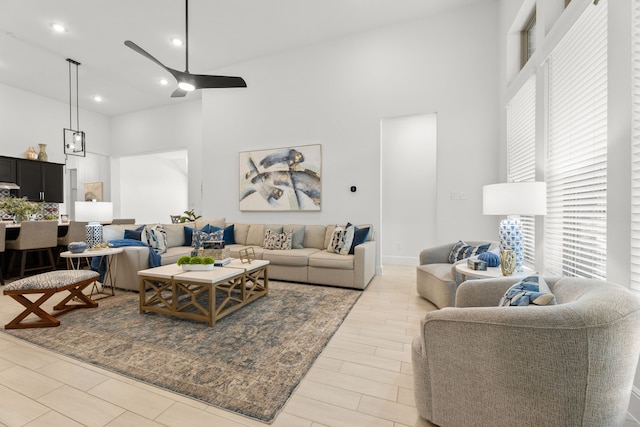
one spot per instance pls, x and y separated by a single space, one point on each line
7 169
40 181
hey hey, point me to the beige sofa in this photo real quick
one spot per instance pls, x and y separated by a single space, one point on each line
309 264
570 364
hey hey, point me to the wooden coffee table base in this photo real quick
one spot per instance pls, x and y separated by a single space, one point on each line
176 293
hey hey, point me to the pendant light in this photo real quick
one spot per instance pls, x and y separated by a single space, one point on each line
73 139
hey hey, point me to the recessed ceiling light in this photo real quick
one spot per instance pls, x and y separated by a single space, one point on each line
58 28
97 98
164 82
176 41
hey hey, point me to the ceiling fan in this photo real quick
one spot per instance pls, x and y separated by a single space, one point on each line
188 82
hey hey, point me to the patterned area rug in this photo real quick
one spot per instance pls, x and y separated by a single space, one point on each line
249 362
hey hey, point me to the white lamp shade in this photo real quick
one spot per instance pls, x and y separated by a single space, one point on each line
101 212
515 198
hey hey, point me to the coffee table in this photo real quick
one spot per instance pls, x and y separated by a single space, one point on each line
170 290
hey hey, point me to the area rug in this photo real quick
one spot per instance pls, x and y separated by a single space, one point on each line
249 362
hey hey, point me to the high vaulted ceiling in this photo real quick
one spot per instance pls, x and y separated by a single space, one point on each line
221 33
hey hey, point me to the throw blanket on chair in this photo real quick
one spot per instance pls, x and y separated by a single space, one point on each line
101 267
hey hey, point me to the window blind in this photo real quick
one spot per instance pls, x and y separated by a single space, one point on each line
635 152
576 163
521 154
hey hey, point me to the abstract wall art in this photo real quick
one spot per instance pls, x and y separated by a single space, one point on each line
281 179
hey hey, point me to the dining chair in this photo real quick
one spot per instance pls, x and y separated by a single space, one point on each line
34 236
76 232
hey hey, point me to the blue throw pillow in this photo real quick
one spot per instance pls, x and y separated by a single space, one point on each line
531 290
228 233
461 251
188 235
134 234
360 236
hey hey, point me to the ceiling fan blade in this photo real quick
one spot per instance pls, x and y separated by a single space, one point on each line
178 93
144 53
202 81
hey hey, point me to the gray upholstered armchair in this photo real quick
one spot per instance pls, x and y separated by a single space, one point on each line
436 278
570 364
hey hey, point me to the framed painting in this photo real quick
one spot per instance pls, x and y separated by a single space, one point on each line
281 179
93 191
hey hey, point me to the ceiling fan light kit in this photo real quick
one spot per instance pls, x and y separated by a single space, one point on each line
188 82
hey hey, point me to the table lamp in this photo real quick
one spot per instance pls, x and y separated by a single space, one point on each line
94 213
514 199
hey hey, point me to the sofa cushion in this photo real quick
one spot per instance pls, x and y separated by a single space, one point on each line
440 271
240 232
273 227
297 240
314 236
531 290
116 231
255 236
461 251
218 222
173 253
327 236
175 234
294 257
324 259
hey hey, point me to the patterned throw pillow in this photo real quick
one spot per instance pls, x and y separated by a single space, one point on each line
200 236
461 251
341 240
531 290
156 237
280 241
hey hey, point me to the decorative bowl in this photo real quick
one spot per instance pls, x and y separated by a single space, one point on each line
77 247
197 267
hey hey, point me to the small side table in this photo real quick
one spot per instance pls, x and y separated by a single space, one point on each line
489 273
107 254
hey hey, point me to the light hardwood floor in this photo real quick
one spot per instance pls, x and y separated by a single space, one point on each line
362 378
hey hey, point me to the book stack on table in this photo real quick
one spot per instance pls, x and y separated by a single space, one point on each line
222 262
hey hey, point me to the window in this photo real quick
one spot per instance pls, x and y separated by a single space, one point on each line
521 153
528 39
576 164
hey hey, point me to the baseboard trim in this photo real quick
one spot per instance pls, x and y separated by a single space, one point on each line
634 404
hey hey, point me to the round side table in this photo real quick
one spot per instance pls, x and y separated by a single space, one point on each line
489 273
111 265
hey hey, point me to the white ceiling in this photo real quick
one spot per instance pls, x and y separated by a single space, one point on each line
221 33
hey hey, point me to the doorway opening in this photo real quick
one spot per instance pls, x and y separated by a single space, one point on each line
408 188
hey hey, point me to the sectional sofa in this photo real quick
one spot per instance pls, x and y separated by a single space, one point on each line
307 262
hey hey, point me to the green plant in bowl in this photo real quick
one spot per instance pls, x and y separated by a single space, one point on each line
184 260
208 260
195 260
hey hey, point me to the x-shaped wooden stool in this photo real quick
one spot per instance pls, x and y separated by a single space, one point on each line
48 284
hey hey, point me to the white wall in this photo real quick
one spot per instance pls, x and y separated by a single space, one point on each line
177 126
27 119
160 188
336 93
408 144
